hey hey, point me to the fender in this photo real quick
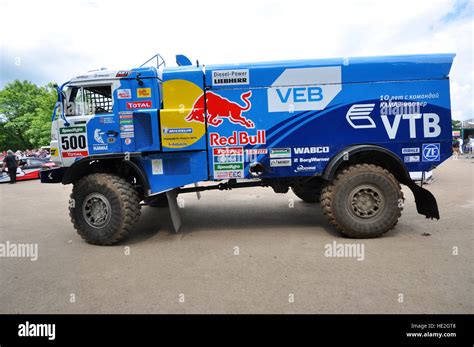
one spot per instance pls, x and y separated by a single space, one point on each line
75 171
425 201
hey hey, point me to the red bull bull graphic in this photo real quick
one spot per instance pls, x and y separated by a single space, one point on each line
220 108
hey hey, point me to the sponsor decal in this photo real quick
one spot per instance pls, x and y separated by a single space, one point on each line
122 74
241 138
127 127
98 136
302 168
228 162
292 91
157 167
256 151
431 152
280 162
132 105
74 154
311 160
128 141
54 151
100 147
124 93
411 159
107 120
230 77
358 116
111 139
311 150
219 108
177 130
73 141
143 92
280 152
414 150
125 135
72 130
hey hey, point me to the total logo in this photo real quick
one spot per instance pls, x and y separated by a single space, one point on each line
220 108
359 117
241 138
131 105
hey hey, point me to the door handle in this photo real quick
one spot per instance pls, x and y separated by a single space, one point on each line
112 133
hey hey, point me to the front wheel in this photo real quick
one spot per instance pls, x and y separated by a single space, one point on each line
104 208
364 201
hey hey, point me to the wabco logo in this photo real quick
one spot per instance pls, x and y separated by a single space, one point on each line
359 117
431 152
311 150
304 89
220 108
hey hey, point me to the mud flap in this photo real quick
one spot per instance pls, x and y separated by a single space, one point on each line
425 201
172 196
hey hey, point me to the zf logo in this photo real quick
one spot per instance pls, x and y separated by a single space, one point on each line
431 152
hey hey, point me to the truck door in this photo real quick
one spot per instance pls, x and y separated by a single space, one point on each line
138 114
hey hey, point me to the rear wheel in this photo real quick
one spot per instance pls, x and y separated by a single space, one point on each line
364 201
104 208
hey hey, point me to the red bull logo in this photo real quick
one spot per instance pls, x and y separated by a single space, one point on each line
219 108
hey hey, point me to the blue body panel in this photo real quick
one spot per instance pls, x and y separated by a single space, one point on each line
293 116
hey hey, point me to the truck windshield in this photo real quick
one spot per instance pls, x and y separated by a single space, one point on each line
89 100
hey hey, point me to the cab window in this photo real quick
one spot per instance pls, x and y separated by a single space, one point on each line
91 100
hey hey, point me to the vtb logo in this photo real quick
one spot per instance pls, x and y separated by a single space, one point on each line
220 108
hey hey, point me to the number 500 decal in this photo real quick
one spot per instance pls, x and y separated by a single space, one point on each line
73 142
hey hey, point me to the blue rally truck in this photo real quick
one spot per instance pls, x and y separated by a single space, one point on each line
342 132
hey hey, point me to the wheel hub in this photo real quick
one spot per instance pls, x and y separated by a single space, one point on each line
96 210
365 201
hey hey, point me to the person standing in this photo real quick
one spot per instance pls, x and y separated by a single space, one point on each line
10 162
461 142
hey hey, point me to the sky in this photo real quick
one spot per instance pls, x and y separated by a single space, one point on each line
52 41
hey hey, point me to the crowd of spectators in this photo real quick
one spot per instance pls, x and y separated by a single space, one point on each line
40 153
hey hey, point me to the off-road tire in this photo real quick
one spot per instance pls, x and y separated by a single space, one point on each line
307 195
340 213
124 207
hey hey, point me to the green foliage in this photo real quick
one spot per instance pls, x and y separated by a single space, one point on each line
455 123
25 115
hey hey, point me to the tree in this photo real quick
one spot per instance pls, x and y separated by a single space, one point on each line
25 115
455 123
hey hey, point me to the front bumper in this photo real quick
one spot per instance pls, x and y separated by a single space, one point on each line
54 175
